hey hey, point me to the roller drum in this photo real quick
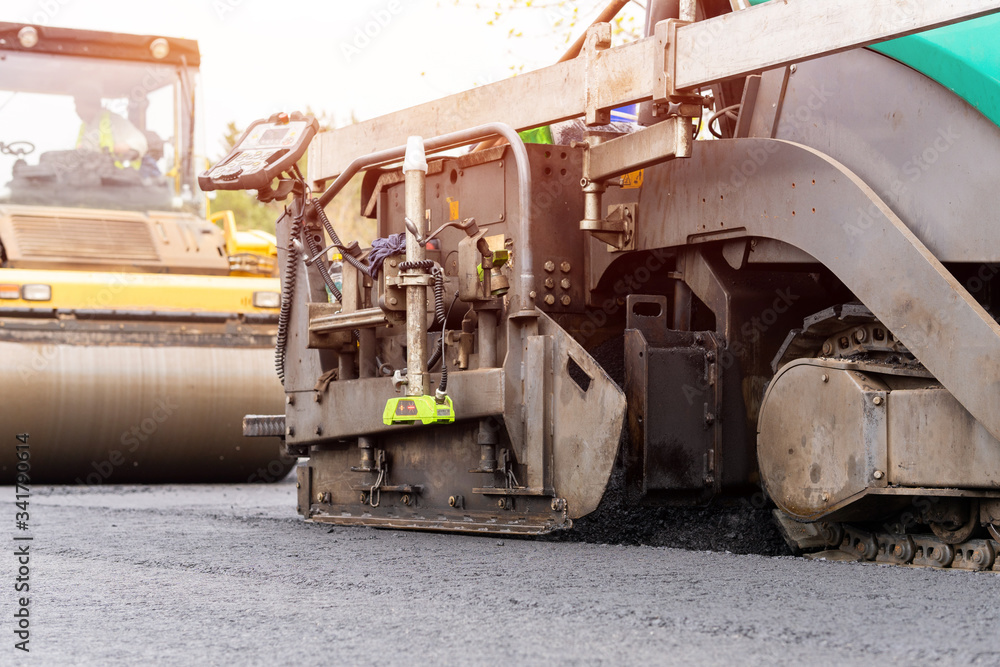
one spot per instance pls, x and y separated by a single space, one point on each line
138 414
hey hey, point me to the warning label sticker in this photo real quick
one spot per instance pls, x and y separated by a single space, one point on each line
632 180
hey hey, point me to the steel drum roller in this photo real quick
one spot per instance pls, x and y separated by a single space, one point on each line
130 414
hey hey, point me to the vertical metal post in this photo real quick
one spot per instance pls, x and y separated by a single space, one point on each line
345 363
366 354
682 307
689 10
415 179
487 327
366 446
488 436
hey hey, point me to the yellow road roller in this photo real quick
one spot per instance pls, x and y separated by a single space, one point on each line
135 334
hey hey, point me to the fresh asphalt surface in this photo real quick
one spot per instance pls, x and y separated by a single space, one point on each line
178 575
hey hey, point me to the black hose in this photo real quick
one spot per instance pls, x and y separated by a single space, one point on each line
287 292
439 352
440 317
314 251
436 357
418 264
349 258
439 314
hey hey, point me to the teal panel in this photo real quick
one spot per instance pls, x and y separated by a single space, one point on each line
964 58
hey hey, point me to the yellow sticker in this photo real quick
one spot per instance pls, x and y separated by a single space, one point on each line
632 180
452 209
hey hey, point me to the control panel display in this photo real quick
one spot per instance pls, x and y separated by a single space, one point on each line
266 149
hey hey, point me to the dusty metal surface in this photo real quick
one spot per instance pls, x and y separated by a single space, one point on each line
932 163
803 197
821 437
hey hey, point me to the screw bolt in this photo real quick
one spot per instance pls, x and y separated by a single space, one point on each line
550 266
878 474
860 335
363 497
405 499
549 283
564 283
549 299
566 300
319 497
825 377
827 349
877 400
393 301
452 501
565 267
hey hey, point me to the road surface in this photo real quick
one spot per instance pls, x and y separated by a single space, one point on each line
216 575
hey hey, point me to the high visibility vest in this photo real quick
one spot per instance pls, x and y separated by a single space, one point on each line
105 139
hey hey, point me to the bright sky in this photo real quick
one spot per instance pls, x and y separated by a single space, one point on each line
365 57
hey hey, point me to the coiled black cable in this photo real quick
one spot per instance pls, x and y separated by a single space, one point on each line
315 250
440 317
439 314
349 258
439 352
287 292
418 264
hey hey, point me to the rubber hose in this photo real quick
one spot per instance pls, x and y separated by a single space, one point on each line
350 259
419 264
439 314
314 251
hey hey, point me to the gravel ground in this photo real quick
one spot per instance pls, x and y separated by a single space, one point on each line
230 575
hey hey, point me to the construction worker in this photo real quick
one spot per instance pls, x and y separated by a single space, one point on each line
105 130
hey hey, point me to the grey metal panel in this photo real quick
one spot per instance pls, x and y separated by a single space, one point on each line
586 423
762 117
350 409
930 156
805 198
822 438
935 442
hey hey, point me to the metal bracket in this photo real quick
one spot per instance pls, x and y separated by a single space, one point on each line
618 228
407 279
598 39
665 64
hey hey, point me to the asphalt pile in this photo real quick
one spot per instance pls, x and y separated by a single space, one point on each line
737 525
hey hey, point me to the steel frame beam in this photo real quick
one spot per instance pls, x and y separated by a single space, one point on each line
678 57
